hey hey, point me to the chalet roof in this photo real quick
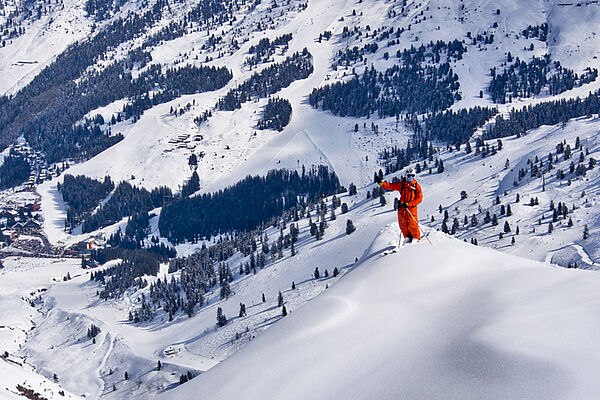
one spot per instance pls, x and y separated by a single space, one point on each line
32 224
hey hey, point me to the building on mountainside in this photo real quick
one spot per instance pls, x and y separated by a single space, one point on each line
9 236
4 238
30 207
7 215
85 247
32 226
29 226
96 243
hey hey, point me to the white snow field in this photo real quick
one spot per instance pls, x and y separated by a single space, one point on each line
441 319
445 320
22 281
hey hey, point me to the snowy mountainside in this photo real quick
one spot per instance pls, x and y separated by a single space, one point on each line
441 320
22 283
485 180
24 55
194 344
184 344
482 323
230 140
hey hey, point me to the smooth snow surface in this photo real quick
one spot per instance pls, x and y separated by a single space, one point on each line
448 320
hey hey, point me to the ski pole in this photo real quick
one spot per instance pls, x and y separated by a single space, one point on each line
418 227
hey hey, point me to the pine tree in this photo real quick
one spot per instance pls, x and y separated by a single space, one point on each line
506 227
279 299
284 311
586 232
335 272
352 189
158 366
487 219
349 227
263 298
455 226
382 199
126 375
293 285
225 290
317 274
440 167
221 318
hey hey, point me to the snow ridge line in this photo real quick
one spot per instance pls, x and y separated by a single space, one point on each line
104 360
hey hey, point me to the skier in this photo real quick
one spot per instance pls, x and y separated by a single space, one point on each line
410 196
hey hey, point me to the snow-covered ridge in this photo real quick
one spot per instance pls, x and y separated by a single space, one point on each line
435 320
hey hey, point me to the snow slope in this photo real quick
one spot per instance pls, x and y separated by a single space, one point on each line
442 320
25 56
22 281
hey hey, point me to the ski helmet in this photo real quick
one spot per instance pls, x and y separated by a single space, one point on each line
410 174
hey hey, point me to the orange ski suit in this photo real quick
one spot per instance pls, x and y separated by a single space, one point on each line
411 194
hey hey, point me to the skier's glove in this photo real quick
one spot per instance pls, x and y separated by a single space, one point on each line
403 205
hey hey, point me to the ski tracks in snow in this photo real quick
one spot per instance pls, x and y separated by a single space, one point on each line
110 340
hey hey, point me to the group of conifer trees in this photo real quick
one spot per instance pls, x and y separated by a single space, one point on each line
245 205
269 81
521 79
546 113
422 82
14 170
66 90
276 114
264 50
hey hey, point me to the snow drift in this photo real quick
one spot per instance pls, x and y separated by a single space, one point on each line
441 320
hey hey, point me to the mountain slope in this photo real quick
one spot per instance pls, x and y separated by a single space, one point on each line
442 320
436 320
